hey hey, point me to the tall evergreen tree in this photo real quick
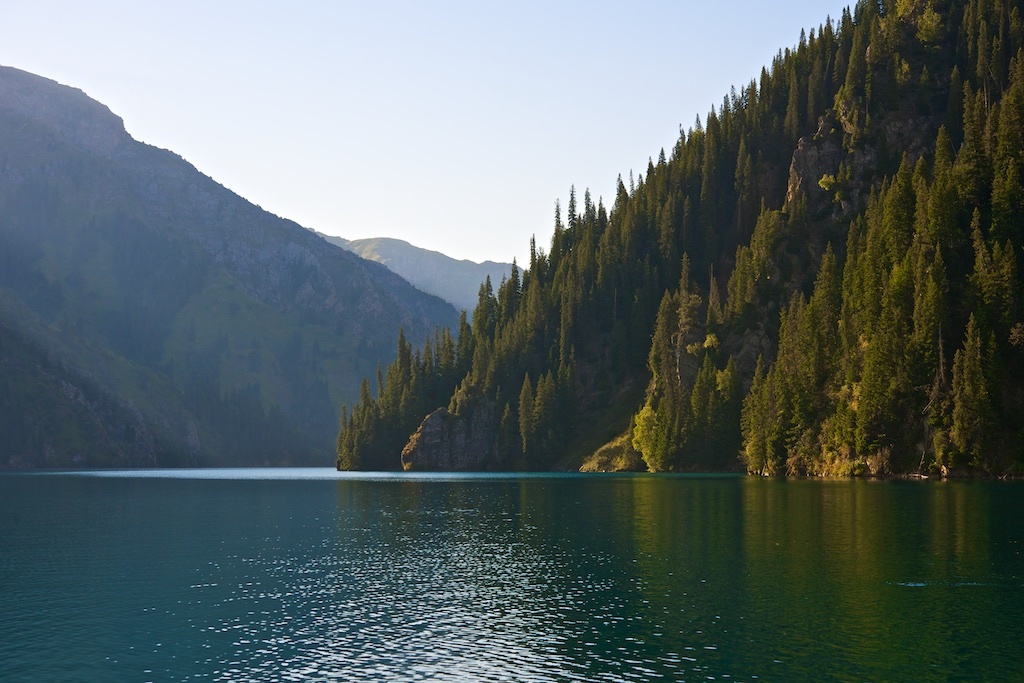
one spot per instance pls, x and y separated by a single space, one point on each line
971 401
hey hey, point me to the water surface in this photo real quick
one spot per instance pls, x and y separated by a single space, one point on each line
253 575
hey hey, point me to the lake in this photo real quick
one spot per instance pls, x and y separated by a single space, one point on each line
312 575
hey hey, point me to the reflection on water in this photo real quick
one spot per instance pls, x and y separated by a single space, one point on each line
508 579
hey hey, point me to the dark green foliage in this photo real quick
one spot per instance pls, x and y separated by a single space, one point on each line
687 420
862 200
414 384
972 409
52 416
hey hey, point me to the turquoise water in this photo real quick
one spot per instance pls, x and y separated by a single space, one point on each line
254 575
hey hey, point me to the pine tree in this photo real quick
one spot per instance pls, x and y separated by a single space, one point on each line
527 422
546 418
714 314
971 403
852 374
657 424
791 124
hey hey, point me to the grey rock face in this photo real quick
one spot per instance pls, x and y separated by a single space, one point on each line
69 111
446 442
812 160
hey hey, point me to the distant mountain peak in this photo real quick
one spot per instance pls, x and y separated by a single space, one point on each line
454 280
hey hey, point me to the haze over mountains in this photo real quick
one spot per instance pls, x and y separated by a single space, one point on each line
149 316
456 281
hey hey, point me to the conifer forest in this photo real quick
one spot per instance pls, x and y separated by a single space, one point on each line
820 277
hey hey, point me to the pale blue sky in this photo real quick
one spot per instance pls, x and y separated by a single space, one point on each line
452 125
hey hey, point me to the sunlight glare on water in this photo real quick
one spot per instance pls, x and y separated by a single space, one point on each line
269 575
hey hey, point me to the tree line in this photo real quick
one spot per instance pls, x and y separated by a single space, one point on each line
860 201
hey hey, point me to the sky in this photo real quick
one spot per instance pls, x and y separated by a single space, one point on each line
455 126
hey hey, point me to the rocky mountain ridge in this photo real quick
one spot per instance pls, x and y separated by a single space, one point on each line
457 281
235 334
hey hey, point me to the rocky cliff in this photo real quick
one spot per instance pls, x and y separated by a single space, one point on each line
462 442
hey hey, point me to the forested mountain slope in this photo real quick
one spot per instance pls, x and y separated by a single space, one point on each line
149 316
820 278
456 281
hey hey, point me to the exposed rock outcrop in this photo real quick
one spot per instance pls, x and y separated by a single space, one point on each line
66 112
745 349
813 158
913 135
460 442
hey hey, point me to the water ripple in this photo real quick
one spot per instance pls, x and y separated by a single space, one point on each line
535 580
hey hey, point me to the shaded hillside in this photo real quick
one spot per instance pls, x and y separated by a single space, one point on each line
51 416
820 278
455 281
233 335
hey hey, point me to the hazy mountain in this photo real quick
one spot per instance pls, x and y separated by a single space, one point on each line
141 300
456 281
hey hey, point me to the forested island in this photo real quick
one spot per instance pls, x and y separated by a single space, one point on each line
820 278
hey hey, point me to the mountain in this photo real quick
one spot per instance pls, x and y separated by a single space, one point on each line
455 281
822 278
149 316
